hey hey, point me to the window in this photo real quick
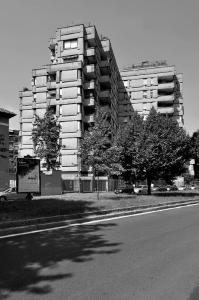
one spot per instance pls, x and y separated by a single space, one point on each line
70 44
53 109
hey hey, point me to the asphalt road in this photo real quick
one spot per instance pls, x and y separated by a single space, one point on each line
154 256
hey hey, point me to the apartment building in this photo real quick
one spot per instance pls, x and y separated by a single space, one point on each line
82 73
155 85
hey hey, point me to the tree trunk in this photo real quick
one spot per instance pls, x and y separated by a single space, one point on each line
97 185
149 185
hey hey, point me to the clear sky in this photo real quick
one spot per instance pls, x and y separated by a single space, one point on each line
138 29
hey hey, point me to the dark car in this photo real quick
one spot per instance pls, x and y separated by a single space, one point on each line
125 190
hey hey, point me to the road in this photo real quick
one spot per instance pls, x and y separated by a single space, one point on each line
153 256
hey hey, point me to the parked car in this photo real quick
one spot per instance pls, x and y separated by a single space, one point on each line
190 187
11 194
125 189
181 188
141 189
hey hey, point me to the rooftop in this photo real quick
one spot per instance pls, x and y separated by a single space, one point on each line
7 113
147 64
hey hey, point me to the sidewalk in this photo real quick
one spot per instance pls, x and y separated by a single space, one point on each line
55 211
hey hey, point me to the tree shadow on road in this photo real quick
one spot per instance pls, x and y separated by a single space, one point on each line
30 263
20 210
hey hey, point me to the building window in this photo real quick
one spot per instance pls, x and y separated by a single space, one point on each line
53 108
70 44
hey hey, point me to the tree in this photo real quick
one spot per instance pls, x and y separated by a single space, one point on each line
45 136
195 152
126 139
98 149
160 148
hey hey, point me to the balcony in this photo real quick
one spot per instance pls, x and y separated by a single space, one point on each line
105 67
89 119
105 81
105 97
89 102
89 85
105 94
166 86
52 68
89 71
90 52
166 98
166 110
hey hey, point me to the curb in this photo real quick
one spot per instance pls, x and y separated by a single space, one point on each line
17 227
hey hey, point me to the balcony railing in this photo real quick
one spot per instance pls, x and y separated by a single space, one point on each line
105 94
166 110
166 86
89 85
166 98
89 102
90 52
90 71
89 119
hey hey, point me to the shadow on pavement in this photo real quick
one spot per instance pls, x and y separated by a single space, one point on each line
30 263
13 210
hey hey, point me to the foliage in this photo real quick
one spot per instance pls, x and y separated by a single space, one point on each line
45 136
155 148
195 144
98 149
195 152
188 178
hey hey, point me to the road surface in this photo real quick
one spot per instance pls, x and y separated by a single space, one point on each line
153 256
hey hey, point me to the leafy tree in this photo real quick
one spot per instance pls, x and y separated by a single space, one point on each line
97 149
126 139
159 148
195 152
45 136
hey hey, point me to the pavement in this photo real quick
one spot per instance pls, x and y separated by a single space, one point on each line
57 221
144 257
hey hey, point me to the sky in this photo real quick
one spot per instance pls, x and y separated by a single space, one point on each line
138 29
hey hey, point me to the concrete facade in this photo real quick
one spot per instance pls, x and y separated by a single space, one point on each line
155 85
